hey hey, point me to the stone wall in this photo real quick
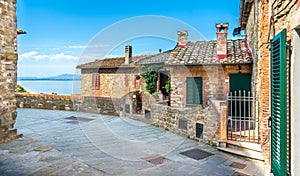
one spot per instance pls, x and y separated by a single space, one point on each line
178 120
183 121
8 68
102 105
45 101
215 81
260 31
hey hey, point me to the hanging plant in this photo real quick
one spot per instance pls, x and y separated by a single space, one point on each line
168 86
150 74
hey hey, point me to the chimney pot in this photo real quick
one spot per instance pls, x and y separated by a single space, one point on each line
222 30
128 54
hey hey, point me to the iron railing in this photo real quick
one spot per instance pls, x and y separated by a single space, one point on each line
242 123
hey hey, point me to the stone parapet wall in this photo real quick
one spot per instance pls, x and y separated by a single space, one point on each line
181 121
168 118
8 69
45 101
102 105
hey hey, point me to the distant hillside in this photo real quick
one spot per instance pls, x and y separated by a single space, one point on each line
63 77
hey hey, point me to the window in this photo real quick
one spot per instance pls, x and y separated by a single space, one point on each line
194 90
199 130
95 81
182 124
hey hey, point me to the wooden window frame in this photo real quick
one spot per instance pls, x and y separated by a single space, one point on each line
95 81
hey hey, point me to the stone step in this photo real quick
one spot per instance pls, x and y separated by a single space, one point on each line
244 145
248 154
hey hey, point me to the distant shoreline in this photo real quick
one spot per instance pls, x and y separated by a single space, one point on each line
45 79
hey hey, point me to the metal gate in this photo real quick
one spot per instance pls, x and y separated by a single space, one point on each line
242 124
279 161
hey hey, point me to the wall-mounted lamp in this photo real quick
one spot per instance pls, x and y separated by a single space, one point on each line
237 32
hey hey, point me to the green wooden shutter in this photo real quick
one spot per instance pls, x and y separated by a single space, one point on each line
194 90
279 105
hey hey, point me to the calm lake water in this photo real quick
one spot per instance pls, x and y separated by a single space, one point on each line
49 87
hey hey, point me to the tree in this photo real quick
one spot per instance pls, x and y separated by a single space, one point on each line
21 89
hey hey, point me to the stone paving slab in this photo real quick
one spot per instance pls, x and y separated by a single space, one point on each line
107 145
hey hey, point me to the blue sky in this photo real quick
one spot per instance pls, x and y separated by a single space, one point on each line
58 31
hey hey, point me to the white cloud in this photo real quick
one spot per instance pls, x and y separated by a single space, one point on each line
77 46
28 55
35 55
87 46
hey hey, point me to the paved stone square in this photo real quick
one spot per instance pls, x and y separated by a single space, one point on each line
73 143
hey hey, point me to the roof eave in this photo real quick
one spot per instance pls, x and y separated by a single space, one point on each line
245 9
210 64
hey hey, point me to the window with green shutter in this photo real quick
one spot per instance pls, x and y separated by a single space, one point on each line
194 90
279 148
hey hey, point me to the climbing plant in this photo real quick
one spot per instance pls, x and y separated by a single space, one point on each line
150 74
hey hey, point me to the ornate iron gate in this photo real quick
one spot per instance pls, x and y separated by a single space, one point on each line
242 123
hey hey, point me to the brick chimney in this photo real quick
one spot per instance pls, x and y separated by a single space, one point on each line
128 54
222 29
182 39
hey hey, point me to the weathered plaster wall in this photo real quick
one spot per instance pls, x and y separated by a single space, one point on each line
8 68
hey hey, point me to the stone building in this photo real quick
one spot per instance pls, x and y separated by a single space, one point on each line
110 77
8 65
202 75
272 29
204 70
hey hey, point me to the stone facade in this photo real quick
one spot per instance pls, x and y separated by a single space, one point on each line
201 123
8 68
183 121
261 27
114 85
215 81
92 104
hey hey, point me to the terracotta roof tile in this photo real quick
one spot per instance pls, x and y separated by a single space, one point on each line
196 53
109 62
205 52
156 58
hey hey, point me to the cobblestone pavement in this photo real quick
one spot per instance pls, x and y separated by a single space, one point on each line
69 143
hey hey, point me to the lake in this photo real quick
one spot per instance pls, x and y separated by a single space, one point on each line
49 87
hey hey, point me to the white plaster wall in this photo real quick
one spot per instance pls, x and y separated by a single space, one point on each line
295 107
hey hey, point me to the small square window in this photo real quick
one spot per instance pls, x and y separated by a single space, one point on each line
182 124
127 108
147 114
199 130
